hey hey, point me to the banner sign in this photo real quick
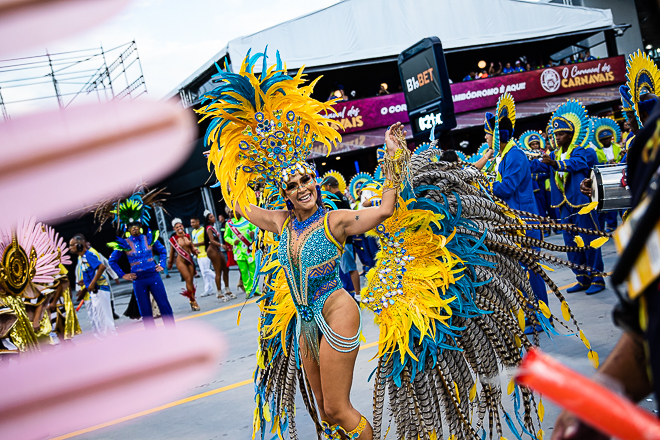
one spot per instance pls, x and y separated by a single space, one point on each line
382 111
368 113
524 86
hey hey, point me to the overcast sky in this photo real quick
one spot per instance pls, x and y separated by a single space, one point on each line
174 37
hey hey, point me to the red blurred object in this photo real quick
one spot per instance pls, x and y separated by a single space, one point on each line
596 405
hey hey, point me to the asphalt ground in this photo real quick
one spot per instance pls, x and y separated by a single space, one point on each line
223 406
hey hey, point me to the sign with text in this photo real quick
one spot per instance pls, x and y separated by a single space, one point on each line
382 111
524 86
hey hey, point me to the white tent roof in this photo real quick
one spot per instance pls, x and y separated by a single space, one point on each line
362 29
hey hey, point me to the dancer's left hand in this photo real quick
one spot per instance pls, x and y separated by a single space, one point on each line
159 268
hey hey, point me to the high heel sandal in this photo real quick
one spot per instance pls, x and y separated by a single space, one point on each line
194 306
330 432
191 297
354 434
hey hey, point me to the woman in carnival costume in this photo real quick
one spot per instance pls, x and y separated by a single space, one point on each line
445 290
182 252
262 130
214 246
131 217
32 255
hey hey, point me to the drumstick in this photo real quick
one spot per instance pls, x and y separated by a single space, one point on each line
80 305
98 381
103 150
598 406
27 23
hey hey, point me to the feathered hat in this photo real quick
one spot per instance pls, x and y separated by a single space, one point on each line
572 117
643 77
626 99
130 210
531 136
357 182
262 127
496 126
604 128
340 179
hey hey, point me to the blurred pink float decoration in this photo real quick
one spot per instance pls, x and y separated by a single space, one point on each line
53 163
26 23
50 394
591 402
59 161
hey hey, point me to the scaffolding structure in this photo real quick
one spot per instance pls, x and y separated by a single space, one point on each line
67 77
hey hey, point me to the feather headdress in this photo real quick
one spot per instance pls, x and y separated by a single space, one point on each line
357 182
133 209
572 117
340 179
531 136
262 127
643 77
602 128
506 109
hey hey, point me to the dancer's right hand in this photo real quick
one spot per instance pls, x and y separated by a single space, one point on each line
585 187
129 276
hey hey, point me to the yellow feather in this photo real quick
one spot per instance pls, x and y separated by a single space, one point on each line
545 309
598 242
549 269
565 311
458 397
238 319
511 387
584 339
473 392
518 341
588 208
521 319
539 434
593 357
541 410
578 241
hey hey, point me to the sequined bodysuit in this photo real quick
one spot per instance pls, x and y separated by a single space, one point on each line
310 257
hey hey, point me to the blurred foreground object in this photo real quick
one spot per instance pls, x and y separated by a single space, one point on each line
26 23
116 144
591 402
116 377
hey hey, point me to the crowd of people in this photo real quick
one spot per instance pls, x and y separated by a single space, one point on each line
521 65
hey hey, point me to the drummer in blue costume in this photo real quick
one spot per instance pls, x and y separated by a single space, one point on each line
132 219
606 135
568 166
513 183
532 142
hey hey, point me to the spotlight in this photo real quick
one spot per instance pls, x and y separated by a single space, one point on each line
481 64
649 47
337 158
322 164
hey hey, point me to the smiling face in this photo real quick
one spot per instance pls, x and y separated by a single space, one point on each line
301 191
178 228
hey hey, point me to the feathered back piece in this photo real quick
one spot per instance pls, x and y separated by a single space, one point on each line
571 116
340 179
263 127
603 128
133 209
357 182
528 137
506 109
643 77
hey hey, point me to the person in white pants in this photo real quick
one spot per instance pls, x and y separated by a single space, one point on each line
94 287
210 287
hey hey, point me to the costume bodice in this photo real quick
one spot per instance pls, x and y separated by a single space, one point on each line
310 256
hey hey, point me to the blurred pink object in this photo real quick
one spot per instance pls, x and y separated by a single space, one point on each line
591 402
27 23
49 394
59 161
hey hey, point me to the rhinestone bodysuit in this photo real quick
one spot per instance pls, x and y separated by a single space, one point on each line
310 258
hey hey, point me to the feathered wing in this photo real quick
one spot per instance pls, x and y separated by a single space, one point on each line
451 300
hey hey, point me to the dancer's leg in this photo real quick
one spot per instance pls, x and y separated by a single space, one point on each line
141 289
157 289
336 368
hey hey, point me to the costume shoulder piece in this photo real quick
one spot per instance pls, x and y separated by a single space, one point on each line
642 77
262 128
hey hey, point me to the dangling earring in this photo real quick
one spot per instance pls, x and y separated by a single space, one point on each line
141 231
128 234
319 197
289 205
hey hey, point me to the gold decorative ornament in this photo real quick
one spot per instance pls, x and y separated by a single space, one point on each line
16 268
